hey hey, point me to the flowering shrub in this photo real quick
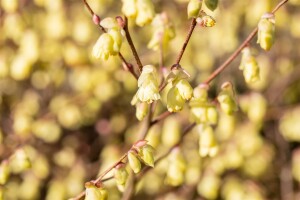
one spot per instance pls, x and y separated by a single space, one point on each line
122 100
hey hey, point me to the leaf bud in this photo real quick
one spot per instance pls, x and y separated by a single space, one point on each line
211 4
134 162
96 19
193 8
121 174
266 31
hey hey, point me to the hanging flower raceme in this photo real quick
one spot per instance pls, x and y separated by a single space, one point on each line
181 90
207 142
148 86
249 66
109 43
163 32
266 31
141 10
202 111
226 98
176 169
92 192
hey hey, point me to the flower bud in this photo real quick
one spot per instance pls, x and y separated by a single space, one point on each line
193 8
94 193
104 47
4 172
212 115
142 110
211 4
175 102
96 19
121 174
171 132
207 141
145 12
266 31
226 99
209 186
146 154
129 8
134 162
296 164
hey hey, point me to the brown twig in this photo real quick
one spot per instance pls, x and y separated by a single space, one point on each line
132 47
239 49
192 27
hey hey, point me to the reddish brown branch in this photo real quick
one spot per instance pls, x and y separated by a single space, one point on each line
192 27
132 47
239 49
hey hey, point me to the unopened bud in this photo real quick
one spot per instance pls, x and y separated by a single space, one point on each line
121 174
96 19
134 162
266 31
146 154
120 21
211 4
193 8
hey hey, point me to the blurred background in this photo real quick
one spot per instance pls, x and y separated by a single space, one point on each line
70 116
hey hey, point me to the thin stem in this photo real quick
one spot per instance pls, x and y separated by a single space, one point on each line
132 47
239 49
192 27
161 117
